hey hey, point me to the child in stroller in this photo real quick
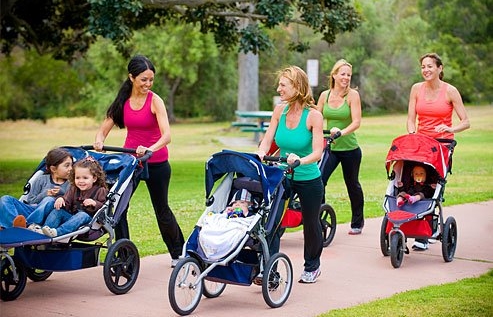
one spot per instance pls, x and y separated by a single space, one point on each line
242 205
417 189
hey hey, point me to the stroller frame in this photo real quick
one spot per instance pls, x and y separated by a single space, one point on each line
196 275
424 219
27 254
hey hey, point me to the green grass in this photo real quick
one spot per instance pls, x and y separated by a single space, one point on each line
24 143
471 297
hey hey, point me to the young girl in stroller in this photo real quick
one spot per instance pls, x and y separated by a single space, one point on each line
417 189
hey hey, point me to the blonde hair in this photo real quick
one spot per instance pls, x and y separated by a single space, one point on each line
335 70
299 80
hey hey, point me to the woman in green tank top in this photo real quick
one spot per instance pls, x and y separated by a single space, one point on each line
297 128
341 107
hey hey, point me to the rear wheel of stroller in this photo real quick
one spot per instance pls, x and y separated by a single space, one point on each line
213 289
329 223
185 288
37 275
449 239
10 288
384 237
121 266
277 280
396 249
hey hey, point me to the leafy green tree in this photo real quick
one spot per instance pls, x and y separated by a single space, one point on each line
38 87
68 28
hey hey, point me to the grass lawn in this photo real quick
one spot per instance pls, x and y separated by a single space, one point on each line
24 143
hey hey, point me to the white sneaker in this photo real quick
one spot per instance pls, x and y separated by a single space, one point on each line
309 277
36 228
174 262
420 246
50 232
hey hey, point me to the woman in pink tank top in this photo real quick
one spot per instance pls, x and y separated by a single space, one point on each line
143 114
431 106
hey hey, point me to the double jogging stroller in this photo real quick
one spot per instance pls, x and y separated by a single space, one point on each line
424 218
198 274
28 254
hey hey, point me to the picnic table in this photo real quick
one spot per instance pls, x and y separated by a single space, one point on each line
253 121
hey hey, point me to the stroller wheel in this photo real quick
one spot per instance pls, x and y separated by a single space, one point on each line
384 237
37 275
213 289
121 266
329 223
10 287
277 287
396 249
449 239
185 288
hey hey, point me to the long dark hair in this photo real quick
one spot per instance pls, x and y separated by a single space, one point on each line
136 66
55 157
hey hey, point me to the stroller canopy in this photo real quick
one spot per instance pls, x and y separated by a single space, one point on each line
419 148
245 164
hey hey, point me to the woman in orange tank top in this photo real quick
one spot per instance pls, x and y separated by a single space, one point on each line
431 106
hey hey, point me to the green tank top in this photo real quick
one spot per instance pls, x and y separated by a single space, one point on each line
299 142
340 118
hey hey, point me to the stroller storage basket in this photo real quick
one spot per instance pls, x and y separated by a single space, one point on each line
60 257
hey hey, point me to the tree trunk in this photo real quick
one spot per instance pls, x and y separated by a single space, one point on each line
248 82
170 102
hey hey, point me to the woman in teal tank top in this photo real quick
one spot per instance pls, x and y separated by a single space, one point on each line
341 107
297 128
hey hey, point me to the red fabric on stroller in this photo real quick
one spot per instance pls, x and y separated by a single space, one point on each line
419 148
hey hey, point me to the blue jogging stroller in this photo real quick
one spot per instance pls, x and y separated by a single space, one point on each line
198 273
28 254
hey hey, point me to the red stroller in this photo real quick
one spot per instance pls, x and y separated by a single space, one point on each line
422 219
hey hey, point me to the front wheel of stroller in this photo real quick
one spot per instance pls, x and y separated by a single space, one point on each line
121 266
37 275
329 223
185 288
396 249
213 289
449 239
384 237
277 287
10 288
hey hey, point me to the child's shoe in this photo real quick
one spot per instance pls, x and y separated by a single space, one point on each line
50 232
35 227
19 221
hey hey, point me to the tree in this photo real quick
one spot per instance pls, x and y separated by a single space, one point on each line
66 28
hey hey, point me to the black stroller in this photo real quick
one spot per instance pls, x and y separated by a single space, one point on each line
36 256
198 273
424 218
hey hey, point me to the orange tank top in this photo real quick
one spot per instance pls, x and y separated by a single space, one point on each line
432 113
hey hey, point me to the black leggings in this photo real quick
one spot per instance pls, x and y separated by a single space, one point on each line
350 162
157 185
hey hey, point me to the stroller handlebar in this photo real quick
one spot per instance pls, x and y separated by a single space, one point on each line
281 160
147 155
329 137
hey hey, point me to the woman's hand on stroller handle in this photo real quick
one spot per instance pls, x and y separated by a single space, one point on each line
330 137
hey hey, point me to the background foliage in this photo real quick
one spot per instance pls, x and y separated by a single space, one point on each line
198 79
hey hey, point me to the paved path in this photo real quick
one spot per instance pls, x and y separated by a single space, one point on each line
353 272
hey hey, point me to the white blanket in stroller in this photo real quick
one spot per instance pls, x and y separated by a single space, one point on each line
220 235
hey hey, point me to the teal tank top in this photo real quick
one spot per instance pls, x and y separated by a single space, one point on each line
340 118
299 142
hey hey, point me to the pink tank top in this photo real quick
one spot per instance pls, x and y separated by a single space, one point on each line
434 112
143 129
